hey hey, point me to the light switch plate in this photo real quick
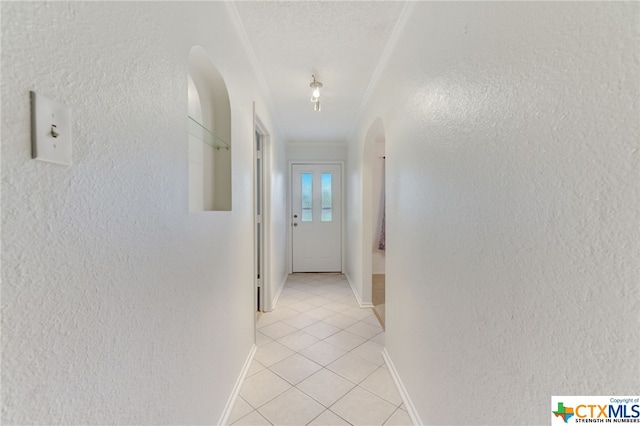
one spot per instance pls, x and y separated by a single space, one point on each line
50 130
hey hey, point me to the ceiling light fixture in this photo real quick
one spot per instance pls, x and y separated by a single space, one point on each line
315 96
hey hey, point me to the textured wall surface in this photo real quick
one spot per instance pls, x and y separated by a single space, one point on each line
118 305
513 193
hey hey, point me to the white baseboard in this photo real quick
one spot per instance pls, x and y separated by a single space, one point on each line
411 409
357 295
274 301
236 388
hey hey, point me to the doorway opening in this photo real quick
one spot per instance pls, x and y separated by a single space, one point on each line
378 248
373 218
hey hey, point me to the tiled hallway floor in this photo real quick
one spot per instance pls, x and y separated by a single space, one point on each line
318 362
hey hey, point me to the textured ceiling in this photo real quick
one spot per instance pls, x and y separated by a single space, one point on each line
340 42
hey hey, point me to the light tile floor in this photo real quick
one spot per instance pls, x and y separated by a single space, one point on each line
319 362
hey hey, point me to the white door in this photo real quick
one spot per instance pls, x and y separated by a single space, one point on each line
316 217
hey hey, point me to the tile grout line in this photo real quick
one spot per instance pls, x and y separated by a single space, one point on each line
331 301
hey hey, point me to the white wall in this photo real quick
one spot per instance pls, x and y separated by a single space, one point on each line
278 220
118 305
357 259
512 206
301 151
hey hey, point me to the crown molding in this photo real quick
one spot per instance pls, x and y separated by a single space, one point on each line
406 13
234 16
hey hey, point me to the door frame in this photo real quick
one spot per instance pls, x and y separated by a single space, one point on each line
290 208
264 283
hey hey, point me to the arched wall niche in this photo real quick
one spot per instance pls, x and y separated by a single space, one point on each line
209 122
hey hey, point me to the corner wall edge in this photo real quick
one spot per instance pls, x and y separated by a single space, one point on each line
357 296
404 395
226 413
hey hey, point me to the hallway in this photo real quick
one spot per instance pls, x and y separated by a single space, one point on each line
130 260
318 361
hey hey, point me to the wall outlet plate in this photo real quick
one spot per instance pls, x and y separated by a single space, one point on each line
50 130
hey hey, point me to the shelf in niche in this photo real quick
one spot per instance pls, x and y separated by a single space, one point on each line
207 136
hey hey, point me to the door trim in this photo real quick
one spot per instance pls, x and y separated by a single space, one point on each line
265 294
290 212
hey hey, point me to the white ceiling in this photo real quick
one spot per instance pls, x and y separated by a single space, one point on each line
341 42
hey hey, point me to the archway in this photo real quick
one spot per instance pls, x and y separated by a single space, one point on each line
373 212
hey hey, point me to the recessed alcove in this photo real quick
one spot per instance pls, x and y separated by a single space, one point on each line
209 135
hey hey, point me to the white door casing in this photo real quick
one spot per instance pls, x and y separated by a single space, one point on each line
261 196
259 222
316 217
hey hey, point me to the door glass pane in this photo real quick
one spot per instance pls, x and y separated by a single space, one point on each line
307 197
326 197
